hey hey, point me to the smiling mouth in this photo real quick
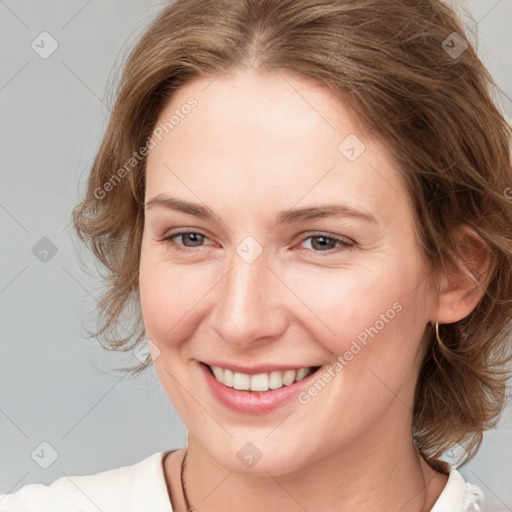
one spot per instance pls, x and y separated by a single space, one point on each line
259 382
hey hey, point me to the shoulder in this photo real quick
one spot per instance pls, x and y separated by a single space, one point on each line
458 495
136 487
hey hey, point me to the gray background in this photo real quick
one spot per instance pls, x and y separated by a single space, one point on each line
55 385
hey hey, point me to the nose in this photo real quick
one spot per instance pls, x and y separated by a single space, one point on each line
250 308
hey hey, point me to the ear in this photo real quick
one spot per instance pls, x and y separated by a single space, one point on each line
460 292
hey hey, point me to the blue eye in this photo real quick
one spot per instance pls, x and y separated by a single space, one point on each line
326 245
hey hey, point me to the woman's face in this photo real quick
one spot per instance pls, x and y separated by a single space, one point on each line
256 287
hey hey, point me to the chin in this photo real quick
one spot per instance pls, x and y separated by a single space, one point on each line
259 458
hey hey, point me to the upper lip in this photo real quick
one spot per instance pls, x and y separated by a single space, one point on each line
261 368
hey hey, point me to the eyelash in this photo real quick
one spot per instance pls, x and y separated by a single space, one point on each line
179 248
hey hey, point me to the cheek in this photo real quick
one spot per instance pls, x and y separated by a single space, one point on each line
170 297
372 315
378 325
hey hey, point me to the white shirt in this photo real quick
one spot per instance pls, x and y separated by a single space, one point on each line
141 487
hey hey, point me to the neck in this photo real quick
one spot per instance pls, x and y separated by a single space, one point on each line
388 476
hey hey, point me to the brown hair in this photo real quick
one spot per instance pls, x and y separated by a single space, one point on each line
394 66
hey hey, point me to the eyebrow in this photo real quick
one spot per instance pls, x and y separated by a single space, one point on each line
283 217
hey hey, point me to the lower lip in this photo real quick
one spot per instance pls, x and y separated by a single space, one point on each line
249 402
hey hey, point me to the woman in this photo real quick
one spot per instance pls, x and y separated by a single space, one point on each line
306 202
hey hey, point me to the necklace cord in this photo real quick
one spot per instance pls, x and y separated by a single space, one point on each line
188 507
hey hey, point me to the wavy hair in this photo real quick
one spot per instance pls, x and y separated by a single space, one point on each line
404 71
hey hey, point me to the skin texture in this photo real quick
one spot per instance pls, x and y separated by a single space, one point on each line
257 144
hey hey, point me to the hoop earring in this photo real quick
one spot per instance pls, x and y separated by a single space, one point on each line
437 333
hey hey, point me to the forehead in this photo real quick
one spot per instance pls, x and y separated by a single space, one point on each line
268 139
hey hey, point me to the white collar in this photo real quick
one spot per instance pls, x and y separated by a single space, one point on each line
458 495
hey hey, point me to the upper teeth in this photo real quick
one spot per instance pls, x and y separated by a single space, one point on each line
260 381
